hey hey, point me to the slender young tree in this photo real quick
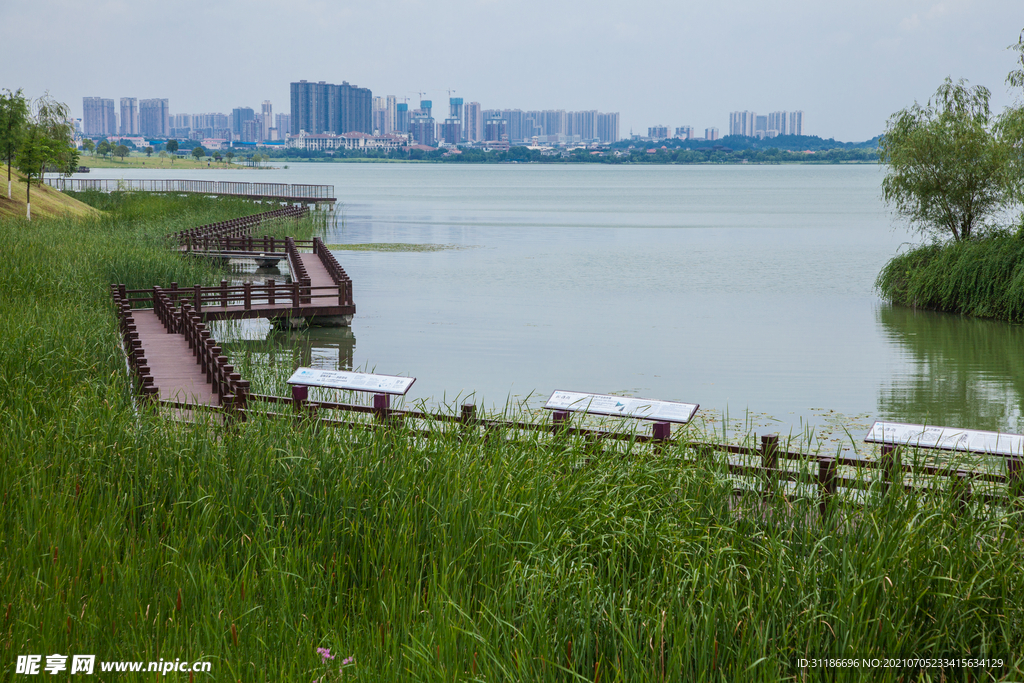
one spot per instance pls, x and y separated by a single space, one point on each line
13 120
47 142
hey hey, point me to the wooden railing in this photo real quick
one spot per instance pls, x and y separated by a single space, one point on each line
248 296
235 227
819 471
137 362
334 268
221 187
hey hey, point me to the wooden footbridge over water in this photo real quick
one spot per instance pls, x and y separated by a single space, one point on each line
276 192
164 330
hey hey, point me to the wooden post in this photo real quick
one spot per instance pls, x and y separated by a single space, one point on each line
769 461
224 293
381 407
300 394
891 466
1014 480
770 450
558 419
270 292
468 414
963 491
247 289
295 294
826 483
198 305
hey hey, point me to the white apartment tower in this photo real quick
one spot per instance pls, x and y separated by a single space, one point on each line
129 116
796 123
267 119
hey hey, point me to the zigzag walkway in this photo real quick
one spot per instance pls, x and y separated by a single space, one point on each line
169 348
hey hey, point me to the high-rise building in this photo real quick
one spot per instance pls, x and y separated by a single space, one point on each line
402 118
684 132
327 108
252 130
796 123
742 123
98 117
452 131
777 123
608 127
583 124
422 127
474 128
239 115
657 132
154 118
129 116
711 134
266 119
496 129
284 125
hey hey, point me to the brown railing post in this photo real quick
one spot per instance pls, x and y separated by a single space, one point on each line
468 414
769 461
381 407
558 419
300 394
826 484
295 294
198 304
963 491
891 466
224 293
247 293
1014 480
270 292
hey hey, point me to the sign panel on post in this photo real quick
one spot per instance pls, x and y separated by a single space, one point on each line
622 406
945 438
352 381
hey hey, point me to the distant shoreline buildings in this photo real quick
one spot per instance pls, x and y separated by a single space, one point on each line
762 126
325 116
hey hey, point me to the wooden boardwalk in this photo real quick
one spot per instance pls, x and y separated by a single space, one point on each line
165 337
275 192
176 374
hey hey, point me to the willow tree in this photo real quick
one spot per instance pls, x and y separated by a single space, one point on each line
948 170
48 141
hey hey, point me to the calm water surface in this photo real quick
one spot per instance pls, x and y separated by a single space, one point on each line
739 288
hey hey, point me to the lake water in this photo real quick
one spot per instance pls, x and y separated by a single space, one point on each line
742 288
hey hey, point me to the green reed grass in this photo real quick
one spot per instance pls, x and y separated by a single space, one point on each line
982 277
462 554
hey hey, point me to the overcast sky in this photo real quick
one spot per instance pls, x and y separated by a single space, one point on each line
847 64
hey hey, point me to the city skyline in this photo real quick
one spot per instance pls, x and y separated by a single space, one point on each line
848 66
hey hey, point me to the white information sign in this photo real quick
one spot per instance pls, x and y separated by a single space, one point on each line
625 406
352 381
946 438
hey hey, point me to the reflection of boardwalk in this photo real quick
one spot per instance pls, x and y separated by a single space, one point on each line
324 348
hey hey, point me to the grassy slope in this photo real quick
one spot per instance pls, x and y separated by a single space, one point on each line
45 200
453 557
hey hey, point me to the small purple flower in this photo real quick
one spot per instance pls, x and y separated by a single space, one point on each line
347 661
325 653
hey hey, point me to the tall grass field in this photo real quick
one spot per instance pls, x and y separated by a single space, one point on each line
456 555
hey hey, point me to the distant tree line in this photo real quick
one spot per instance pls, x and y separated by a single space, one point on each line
717 154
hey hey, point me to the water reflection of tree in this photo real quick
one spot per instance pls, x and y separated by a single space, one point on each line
967 372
